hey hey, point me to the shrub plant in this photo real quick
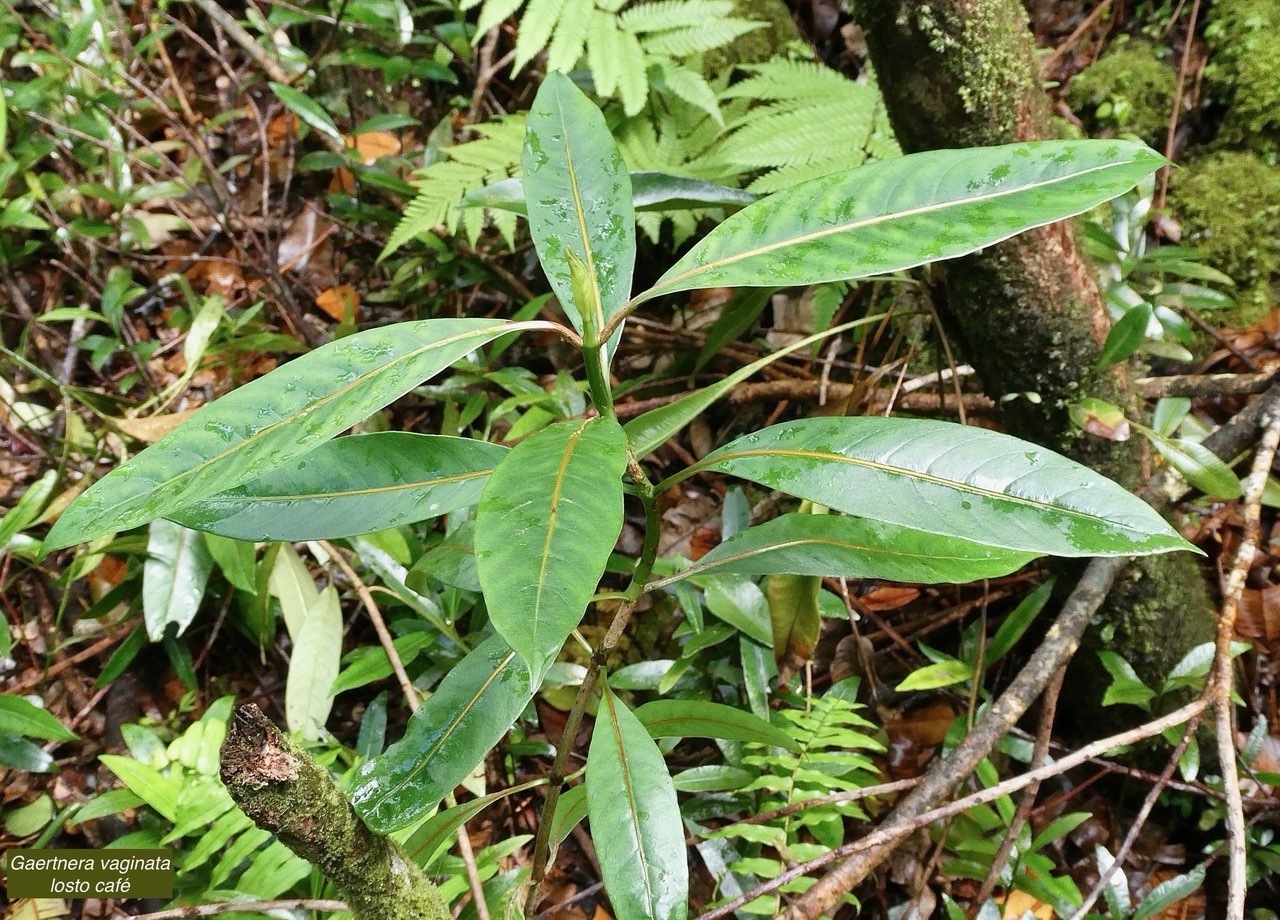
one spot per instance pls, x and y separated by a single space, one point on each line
914 500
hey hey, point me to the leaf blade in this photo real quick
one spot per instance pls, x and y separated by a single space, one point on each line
271 421
450 733
173 577
942 478
578 196
899 213
642 852
549 517
350 486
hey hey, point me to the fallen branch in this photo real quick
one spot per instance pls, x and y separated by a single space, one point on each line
1224 674
878 839
284 791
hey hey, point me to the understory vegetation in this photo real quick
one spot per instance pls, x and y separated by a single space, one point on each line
516 459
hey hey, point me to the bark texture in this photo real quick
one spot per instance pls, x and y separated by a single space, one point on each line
1028 312
286 792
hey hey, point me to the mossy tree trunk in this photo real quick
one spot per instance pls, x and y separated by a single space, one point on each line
962 73
286 792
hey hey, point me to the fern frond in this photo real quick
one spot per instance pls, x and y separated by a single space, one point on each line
696 39
570 36
536 25
690 86
673 14
467 167
495 13
603 53
633 81
787 79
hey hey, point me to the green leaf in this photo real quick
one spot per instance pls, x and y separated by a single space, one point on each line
307 109
646 433
942 674
440 830
739 602
899 213
28 508
21 754
353 485
1169 893
474 706
317 655
793 612
1199 466
1017 622
578 195
546 524
371 662
948 479
173 577
571 809
147 783
21 717
650 191
850 547
632 804
272 421
702 719
1126 336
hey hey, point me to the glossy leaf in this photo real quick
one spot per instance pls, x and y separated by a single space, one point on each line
850 547
650 191
173 577
21 717
646 433
549 518
317 656
307 109
702 719
272 421
1126 336
949 479
474 706
633 809
578 195
441 830
896 214
350 486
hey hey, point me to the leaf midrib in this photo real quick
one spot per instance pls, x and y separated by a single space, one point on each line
841 544
552 519
446 734
138 500
598 306
858 224
317 496
913 474
632 810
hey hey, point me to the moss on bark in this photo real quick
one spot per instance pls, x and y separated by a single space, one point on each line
962 73
286 792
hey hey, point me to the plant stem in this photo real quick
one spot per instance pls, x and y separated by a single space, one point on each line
595 357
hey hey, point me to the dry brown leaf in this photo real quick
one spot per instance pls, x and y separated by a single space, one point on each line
153 427
374 144
340 303
1259 616
1017 903
888 597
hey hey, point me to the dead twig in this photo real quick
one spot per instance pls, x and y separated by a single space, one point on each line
209 910
1203 385
237 34
1158 200
1223 681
